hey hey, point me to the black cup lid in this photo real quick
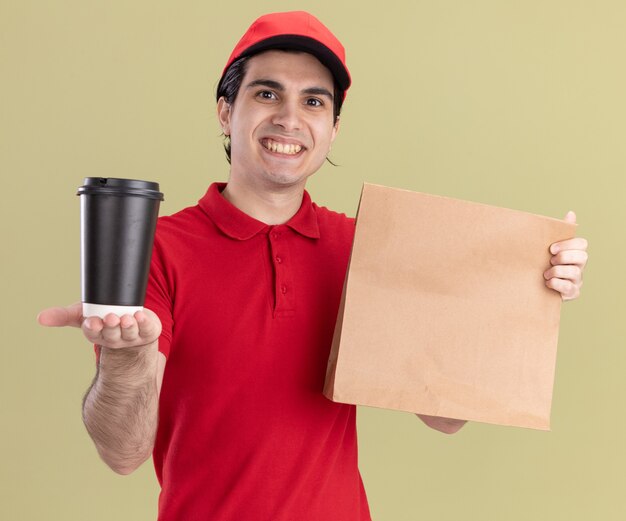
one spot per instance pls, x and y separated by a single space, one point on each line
118 186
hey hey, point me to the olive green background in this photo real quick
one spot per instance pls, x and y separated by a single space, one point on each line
518 104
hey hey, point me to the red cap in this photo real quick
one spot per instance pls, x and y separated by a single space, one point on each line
296 30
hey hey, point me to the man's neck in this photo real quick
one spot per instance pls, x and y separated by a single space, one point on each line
268 206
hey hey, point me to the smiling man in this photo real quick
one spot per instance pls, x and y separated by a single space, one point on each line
220 378
281 124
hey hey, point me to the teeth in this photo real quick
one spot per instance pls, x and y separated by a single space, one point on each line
282 148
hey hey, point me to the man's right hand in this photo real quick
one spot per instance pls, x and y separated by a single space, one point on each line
120 409
142 328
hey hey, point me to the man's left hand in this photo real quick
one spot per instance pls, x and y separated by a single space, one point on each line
568 261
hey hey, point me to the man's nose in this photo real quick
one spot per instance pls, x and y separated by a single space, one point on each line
287 115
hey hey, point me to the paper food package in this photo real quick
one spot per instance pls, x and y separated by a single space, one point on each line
445 311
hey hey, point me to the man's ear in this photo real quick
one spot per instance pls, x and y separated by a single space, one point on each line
335 130
223 114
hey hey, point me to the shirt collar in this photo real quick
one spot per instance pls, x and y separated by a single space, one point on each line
239 225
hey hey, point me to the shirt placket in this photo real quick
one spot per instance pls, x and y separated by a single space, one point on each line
284 302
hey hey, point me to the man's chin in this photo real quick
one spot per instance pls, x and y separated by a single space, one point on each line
286 180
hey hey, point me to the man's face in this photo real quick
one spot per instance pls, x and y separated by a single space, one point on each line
281 123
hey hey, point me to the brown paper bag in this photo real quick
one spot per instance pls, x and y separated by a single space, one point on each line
445 311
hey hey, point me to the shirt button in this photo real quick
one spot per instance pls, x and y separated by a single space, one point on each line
278 259
283 289
275 235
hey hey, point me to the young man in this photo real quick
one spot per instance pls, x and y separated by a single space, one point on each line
243 295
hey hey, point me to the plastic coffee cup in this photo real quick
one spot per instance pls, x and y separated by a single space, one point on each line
118 221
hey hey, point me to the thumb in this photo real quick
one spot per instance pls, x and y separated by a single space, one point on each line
62 316
570 217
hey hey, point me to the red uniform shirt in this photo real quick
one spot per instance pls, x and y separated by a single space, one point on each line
248 313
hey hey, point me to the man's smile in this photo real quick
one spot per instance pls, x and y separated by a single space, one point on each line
282 148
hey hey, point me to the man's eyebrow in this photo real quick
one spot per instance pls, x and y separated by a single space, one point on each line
272 84
266 83
319 91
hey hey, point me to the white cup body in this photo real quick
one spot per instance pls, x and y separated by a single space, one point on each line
101 310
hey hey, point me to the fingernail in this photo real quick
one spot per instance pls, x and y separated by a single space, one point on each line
554 248
88 323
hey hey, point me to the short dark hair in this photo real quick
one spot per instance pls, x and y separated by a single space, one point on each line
230 83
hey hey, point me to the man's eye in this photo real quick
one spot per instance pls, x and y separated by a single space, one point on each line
266 94
314 102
